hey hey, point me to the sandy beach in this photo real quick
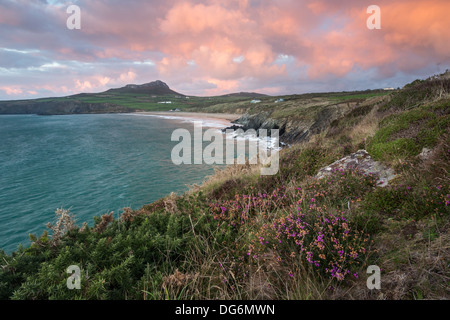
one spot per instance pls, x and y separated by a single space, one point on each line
219 120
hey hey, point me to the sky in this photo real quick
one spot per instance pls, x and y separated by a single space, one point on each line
212 47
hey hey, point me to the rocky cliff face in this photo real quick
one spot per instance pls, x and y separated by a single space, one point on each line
55 108
296 128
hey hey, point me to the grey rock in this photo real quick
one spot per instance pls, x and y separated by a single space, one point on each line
363 162
425 154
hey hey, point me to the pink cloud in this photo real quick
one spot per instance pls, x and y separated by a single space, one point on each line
226 44
410 29
12 90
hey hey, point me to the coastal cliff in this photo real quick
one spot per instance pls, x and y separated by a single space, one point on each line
59 108
295 128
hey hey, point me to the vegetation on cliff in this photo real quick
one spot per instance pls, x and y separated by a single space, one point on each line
288 236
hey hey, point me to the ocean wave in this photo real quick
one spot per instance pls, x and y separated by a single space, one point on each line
267 142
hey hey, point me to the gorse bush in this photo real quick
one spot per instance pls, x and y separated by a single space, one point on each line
115 263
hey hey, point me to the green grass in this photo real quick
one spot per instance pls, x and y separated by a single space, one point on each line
405 134
362 96
294 105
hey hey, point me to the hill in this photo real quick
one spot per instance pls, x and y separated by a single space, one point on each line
119 100
156 88
130 98
147 97
245 95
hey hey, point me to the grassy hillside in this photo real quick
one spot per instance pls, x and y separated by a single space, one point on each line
232 103
289 236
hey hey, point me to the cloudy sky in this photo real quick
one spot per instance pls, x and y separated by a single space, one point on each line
209 47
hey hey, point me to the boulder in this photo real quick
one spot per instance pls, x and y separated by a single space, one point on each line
363 162
425 154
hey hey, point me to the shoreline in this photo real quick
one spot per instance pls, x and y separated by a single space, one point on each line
214 120
219 121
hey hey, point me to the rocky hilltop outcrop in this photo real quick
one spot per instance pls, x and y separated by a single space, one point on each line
157 87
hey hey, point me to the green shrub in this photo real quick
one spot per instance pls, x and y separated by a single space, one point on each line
417 93
406 134
112 262
406 202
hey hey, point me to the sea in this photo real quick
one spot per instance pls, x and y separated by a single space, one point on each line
90 164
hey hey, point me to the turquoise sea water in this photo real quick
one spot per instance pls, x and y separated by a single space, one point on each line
92 164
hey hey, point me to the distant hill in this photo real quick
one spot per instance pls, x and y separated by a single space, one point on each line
245 95
157 88
130 98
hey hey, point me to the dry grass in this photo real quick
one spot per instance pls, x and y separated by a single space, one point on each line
268 282
106 219
180 285
230 172
413 266
64 223
418 266
437 166
211 281
365 128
